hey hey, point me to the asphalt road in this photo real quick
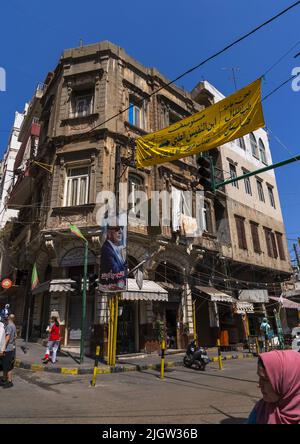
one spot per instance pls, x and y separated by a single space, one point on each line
185 396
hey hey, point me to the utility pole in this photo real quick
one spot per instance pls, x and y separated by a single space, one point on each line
296 254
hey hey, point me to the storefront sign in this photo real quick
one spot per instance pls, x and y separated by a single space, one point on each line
75 334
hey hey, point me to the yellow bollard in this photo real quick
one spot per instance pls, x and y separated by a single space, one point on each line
162 365
115 330
109 332
219 354
93 382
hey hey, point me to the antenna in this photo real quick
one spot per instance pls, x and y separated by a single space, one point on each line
234 69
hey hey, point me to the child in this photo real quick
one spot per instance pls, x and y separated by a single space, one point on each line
53 341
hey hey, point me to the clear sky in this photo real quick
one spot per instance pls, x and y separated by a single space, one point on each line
172 36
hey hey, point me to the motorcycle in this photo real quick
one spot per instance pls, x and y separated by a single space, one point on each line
195 357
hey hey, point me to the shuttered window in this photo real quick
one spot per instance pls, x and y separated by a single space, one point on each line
255 237
240 227
280 246
271 243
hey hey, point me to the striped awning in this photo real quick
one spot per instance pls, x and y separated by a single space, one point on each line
150 291
215 295
56 285
243 307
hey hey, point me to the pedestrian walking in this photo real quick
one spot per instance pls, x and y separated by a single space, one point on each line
9 353
279 381
53 341
264 332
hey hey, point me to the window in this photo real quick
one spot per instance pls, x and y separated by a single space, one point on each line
254 147
82 104
240 227
206 217
271 243
262 151
136 115
255 237
241 143
135 183
260 190
77 186
271 196
280 246
247 183
233 174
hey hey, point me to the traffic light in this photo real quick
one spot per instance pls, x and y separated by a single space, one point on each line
93 281
205 172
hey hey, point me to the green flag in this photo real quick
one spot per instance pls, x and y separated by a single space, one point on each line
34 278
75 230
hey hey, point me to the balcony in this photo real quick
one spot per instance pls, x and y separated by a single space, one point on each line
21 191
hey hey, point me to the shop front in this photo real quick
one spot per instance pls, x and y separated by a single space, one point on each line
214 317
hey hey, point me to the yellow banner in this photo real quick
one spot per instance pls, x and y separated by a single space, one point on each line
229 119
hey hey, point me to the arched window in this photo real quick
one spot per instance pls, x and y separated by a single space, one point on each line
254 147
262 151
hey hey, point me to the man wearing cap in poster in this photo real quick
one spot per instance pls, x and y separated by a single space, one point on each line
112 264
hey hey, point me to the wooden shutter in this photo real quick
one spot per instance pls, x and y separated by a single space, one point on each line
268 241
280 246
240 226
274 247
255 237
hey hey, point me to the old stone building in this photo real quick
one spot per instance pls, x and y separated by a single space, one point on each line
86 146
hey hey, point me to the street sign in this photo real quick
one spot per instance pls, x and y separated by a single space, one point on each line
6 283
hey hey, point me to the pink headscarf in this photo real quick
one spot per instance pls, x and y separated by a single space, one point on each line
283 370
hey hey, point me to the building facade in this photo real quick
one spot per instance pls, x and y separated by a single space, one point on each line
81 146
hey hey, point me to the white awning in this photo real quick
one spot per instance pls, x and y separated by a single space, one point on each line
286 303
60 285
150 291
256 296
216 295
54 285
244 307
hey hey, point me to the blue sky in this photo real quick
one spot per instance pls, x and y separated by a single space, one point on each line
171 36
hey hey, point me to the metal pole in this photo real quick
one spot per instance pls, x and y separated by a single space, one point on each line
162 364
109 332
27 326
261 170
194 322
83 318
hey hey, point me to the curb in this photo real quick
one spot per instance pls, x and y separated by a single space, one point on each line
117 369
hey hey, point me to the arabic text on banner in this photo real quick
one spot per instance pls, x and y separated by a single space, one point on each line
229 119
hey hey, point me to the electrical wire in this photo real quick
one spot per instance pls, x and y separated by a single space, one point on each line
203 62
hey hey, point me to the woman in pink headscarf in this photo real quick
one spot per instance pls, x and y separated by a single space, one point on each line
279 381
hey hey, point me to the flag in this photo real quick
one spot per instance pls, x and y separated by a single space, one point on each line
34 278
231 118
75 230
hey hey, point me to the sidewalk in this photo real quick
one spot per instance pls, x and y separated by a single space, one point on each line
69 364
